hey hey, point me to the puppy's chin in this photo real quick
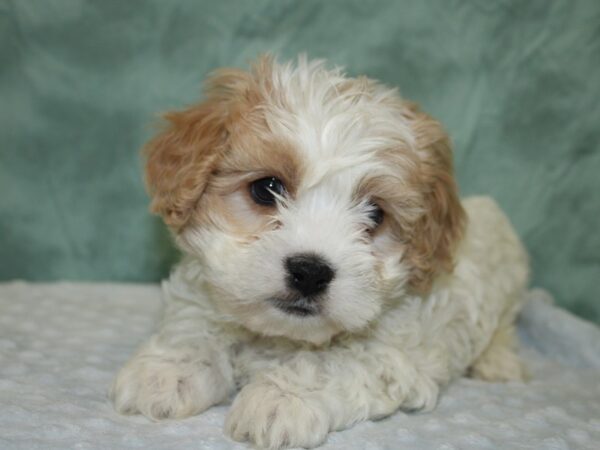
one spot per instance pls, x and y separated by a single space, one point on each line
298 325
297 305
277 316
314 321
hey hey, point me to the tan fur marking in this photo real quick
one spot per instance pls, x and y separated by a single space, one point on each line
181 158
422 200
435 236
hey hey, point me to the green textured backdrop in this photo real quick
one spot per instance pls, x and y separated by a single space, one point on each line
517 84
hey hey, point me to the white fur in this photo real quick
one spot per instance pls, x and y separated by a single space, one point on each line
294 393
374 349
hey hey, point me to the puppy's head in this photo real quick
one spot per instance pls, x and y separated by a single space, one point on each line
310 200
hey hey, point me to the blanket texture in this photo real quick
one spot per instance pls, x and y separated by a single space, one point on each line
83 81
61 344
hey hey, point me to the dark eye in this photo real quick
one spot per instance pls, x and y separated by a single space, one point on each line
375 215
265 190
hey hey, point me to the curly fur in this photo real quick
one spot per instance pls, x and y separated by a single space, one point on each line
427 296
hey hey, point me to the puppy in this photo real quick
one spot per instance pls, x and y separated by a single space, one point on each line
331 272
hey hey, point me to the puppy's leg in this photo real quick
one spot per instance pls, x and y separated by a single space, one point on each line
500 361
299 402
179 372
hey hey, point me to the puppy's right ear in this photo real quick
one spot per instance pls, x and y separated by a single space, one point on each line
181 158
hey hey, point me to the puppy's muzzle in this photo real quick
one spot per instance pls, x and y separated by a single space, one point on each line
308 274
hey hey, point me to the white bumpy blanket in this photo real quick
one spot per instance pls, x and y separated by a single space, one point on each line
61 344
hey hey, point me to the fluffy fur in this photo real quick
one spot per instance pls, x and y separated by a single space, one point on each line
428 295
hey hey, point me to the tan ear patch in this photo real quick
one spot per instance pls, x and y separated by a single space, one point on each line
180 159
436 233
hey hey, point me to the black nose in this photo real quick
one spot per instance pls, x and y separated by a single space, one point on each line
308 274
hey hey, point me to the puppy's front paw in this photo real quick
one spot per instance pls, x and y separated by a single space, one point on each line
166 386
272 418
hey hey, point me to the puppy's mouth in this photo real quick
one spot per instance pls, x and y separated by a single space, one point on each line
297 305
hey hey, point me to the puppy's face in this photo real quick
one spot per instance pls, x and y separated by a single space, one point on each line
311 200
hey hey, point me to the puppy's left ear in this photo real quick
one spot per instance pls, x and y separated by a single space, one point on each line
440 227
181 158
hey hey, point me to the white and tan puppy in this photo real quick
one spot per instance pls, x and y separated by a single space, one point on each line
331 272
